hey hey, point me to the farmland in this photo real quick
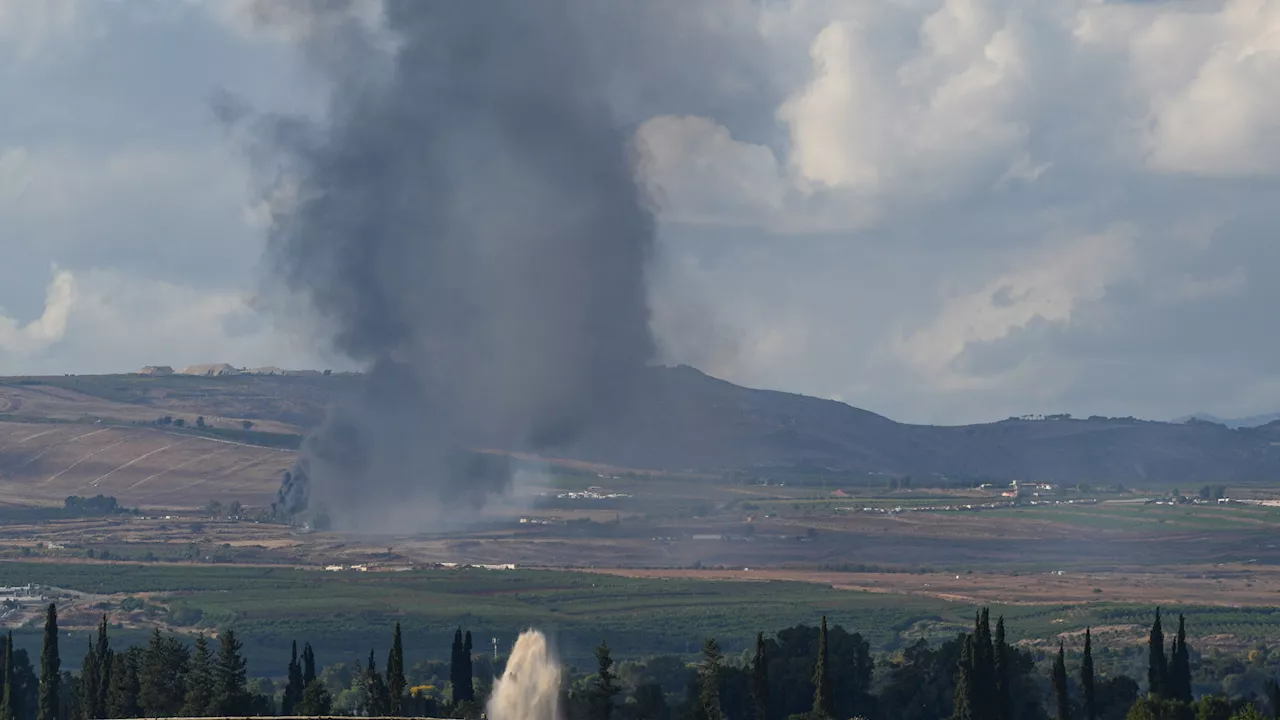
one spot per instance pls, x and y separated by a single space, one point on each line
342 613
652 558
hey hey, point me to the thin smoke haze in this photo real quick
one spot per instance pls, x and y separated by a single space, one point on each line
468 225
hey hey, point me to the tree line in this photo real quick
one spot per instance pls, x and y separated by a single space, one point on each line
802 673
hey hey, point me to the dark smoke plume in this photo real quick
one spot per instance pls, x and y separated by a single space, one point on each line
468 224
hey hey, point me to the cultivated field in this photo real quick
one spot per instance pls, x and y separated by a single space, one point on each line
140 466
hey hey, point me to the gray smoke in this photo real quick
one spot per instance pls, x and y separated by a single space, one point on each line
467 223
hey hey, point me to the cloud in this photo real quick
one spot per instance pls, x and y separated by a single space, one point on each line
46 330
27 25
103 320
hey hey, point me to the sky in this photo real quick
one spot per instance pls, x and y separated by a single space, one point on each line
944 211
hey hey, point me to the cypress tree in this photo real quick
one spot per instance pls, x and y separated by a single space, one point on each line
1000 669
468 673
1179 681
293 687
8 704
605 685
1060 684
1086 678
983 698
396 683
964 684
122 695
308 665
460 670
105 660
760 680
709 681
198 700
376 688
1157 664
821 679
50 668
230 689
89 674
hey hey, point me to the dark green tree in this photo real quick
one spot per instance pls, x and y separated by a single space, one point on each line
122 695
162 675
1213 707
468 671
1001 656
1060 684
315 699
230 680
709 674
821 678
50 668
396 683
963 704
198 700
604 686
1157 663
650 703
760 680
460 670
376 688
8 704
95 675
308 665
1178 682
293 687
983 698
1087 678
1272 690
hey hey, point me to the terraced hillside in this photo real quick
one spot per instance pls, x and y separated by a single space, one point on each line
140 466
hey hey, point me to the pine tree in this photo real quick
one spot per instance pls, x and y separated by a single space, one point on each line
1157 664
821 678
293 687
308 665
1060 684
964 684
230 690
198 700
8 704
50 668
1000 671
396 683
709 681
605 685
1087 677
160 677
760 680
122 695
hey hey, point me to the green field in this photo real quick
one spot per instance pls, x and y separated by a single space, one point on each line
343 614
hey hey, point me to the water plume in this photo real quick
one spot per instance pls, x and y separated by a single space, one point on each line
529 689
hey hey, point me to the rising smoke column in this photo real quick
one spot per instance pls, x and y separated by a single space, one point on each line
468 225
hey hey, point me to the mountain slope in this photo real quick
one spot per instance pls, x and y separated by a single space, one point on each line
685 419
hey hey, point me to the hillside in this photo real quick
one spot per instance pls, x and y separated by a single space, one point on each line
681 420
686 419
